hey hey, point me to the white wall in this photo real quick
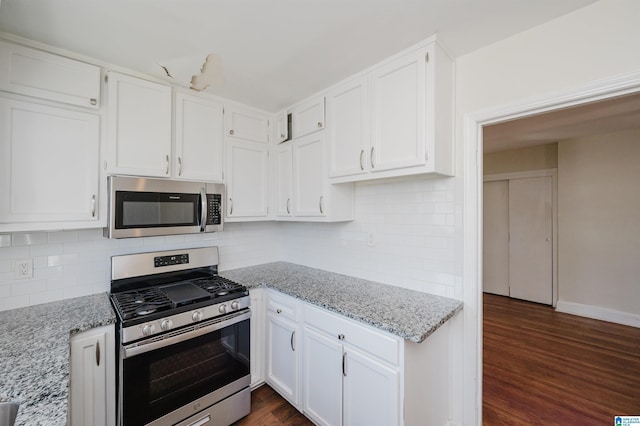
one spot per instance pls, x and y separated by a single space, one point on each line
509 78
76 263
599 221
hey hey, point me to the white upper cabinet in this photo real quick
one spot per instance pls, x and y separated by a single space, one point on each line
348 130
302 187
284 179
32 72
139 126
198 138
247 176
49 167
308 117
246 125
396 119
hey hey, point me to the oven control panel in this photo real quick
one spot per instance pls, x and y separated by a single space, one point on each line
175 259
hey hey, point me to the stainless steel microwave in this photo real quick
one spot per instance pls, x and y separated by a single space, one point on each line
144 207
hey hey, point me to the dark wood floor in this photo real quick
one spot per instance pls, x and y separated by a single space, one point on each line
542 367
268 408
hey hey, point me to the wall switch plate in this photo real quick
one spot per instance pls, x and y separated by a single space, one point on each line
23 269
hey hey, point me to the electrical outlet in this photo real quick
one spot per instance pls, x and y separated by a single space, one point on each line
371 239
23 269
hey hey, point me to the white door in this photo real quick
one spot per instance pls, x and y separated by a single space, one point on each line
49 164
247 179
495 267
322 378
309 173
198 136
371 391
139 126
530 242
348 129
282 358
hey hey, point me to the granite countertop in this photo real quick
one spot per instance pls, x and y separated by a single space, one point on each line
34 354
409 314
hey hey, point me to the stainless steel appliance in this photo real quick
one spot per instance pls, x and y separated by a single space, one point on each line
183 340
141 207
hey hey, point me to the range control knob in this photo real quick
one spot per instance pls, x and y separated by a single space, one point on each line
196 316
148 329
223 309
235 305
166 324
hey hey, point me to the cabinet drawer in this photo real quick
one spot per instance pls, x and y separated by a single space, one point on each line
282 305
371 341
44 75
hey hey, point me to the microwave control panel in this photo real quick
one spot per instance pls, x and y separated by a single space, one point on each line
214 210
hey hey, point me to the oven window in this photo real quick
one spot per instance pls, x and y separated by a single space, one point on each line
157 382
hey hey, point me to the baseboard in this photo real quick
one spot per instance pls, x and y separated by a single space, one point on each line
597 312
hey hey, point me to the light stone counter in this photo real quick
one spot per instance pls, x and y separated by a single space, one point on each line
409 314
34 354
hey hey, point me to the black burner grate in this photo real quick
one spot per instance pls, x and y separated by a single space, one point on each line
141 302
219 286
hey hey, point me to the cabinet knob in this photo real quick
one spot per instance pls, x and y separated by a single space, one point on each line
319 124
93 101
231 132
340 336
282 135
278 311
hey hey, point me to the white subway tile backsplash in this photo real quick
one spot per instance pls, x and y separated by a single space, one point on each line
5 240
29 239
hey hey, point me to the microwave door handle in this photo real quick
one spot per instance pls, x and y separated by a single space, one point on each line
203 209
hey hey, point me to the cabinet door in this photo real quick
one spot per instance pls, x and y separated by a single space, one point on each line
92 378
247 179
322 378
139 128
246 124
309 176
284 179
198 136
283 366
44 75
49 164
308 117
282 128
348 129
371 391
398 102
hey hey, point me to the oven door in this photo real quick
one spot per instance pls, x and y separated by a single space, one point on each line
169 378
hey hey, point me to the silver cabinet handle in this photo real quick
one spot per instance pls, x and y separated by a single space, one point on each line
321 203
230 206
93 205
344 364
179 166
288 204
98 353
293 333
371 158
167 161
319 124
231 132
361 159
202 421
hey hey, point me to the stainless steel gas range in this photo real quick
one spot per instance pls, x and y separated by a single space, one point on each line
183 335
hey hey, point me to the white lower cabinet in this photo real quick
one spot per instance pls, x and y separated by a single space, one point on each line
283 355
92 378
345 380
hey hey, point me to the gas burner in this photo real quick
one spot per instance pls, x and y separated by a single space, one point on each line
145 310
137 303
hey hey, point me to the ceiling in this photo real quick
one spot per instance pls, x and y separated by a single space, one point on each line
272 53
596 118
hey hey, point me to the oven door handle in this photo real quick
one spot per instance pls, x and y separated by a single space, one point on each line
183 335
